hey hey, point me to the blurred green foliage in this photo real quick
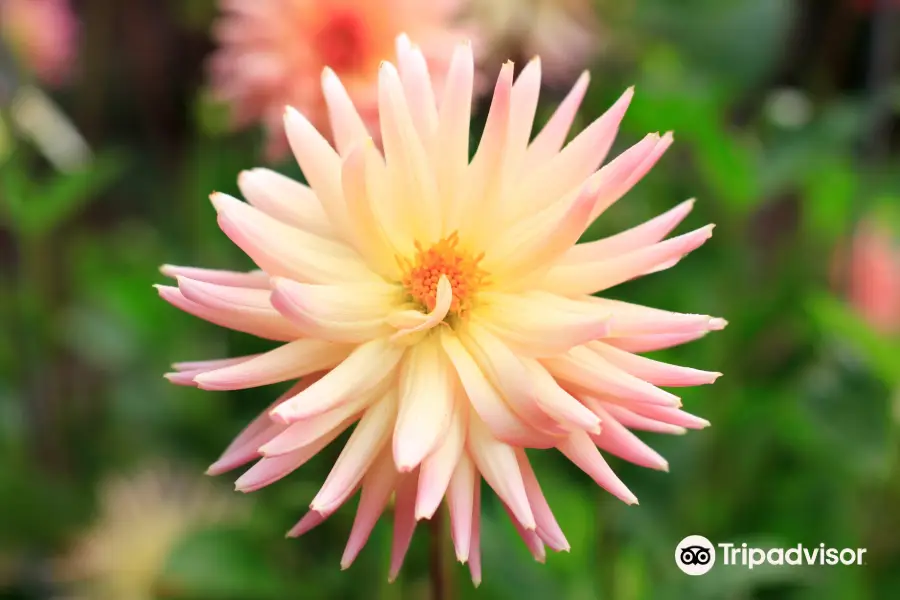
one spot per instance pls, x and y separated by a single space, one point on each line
804 443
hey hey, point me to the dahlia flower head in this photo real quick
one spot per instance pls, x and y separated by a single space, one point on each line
443 307
272 53
874 276
43 36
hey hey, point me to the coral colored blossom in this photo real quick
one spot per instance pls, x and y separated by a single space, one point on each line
43 34
442 309
272 53
874 276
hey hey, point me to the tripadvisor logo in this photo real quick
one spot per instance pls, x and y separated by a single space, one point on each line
696 555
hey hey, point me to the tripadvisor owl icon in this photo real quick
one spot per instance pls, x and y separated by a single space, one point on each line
695 555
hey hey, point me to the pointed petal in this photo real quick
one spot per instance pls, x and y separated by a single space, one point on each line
438 468
569 169
377 487
364 370
530 537
587 370
417 89
346 125
287 251
460 501
264 323
552 137
547 528
426 404
558 403
321 166
269 470
503 423
253 279
407 159
505 370
534 325
646 234
245 447
632 420
404 521
359 177
453 132
369 437
475 544
498 465
617 440
590 277
290 361
579 448
344 313
286 200
652 371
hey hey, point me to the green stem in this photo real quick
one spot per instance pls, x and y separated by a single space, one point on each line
439 575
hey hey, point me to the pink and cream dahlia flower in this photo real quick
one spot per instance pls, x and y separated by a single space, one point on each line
43 35
442 308
272 53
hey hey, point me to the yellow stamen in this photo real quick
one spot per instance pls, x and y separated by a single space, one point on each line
443 258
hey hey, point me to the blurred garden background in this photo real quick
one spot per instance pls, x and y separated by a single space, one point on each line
784 114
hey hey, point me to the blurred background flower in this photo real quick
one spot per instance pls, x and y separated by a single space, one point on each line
141 520
272 53
873 285
566 34
785 115
43 34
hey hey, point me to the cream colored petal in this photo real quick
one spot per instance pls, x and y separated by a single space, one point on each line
287 200
461 495
653 371
585 369
353 313
557 402
579 448
571 279
484 176
253 279
369 437
283 250
453 135
426 404
568 170
368 367
552 137
536 327
417 88
291 361
377 487
505 425
321 166
438 467
505 370
264 323
498 465
346 125
646 234
413 183
367 233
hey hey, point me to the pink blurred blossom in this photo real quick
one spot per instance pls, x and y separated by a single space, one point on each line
272 54
874 276
43 34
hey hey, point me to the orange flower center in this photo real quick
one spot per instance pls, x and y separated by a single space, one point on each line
443 258
340 42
